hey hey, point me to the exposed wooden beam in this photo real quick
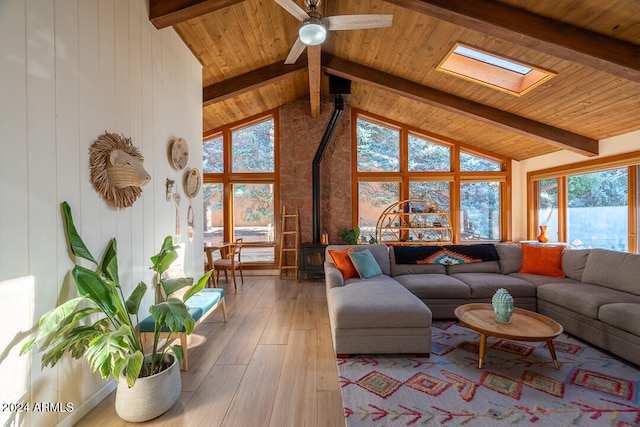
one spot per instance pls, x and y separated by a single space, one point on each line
249 81
313 56
436 98
165 13
559 39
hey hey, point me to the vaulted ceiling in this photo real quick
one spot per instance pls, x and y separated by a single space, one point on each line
593 46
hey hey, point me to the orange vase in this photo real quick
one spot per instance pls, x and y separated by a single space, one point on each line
542 237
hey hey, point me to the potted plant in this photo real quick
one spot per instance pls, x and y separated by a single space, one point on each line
351 237
101 325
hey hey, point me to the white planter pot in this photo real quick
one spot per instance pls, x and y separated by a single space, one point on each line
151 396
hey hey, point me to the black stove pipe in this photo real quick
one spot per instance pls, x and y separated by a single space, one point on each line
328 133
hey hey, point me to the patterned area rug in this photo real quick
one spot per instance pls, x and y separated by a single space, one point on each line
517 385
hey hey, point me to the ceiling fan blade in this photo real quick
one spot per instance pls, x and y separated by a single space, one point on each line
295 52
357 22
293 9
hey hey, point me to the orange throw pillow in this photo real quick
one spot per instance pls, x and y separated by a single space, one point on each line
546 260
343 262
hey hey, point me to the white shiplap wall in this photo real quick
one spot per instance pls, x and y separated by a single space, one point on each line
69 71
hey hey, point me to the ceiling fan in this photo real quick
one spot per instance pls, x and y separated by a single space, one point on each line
313 33
314 27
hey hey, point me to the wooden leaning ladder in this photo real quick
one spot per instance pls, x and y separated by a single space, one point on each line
289 241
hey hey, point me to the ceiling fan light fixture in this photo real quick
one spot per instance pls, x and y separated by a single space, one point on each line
313 32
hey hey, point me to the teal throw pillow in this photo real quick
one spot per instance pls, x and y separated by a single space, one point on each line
365 263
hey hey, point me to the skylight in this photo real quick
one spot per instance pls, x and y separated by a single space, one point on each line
491 60
492 70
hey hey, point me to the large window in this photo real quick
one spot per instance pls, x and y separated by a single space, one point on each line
240 176
378 148
597 209
589 205
394 162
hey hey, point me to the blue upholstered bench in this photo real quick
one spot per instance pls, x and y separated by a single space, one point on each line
200 306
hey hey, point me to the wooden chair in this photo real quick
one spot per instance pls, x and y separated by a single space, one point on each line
212 282
232 262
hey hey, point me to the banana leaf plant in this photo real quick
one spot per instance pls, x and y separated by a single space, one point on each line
101 325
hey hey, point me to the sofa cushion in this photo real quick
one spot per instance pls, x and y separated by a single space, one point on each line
539 279
434 286
343 262
625 316
613 269
365 264
484 285
380 253
574 261
400 269
510 257
583 298
379 302
545 260
476 267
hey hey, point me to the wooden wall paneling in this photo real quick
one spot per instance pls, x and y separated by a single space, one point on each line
139 258
153 149
66 88
87 211
106 221
16 286
123 119
194 123
41 178
67 164
159 139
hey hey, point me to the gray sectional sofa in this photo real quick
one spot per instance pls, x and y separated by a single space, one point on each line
598 300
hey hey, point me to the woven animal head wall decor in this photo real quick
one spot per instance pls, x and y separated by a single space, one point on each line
116 169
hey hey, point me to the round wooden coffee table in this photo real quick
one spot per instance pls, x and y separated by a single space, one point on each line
525 326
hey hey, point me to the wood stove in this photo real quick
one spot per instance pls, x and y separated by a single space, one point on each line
312 261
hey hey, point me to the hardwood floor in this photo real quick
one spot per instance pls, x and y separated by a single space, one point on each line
271 364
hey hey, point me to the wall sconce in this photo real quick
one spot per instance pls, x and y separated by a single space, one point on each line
169 188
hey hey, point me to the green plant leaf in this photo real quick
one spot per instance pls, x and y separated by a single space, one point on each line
100 291
198 286
172 285
179 353
76 244
134 366
163 259
109 265
76 341
106 349
50 321
167 244
67 326
133 303
174 314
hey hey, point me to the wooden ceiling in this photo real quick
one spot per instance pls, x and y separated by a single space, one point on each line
592 45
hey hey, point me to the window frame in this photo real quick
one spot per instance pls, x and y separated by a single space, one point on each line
561 173
454 176
228 178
